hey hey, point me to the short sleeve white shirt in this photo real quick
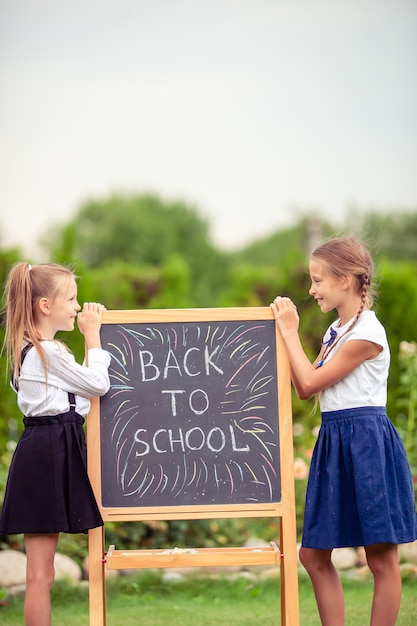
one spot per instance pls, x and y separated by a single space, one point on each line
367 384
38 396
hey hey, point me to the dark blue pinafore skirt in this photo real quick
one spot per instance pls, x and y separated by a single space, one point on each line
360 489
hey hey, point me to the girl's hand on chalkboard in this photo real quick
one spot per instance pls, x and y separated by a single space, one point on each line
285 314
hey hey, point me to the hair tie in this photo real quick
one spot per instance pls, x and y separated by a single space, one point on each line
29 267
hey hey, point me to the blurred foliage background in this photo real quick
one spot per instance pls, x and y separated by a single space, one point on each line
139 251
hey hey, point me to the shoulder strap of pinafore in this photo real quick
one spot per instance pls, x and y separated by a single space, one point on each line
71 396
25 350
71 400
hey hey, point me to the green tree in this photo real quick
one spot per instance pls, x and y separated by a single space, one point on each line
285 246
145 231
396 307
392 235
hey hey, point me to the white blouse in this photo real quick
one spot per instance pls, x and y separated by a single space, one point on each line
38 396
367 384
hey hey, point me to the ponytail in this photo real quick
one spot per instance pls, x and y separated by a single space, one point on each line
25 286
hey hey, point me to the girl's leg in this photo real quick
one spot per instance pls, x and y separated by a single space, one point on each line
383 562
326 584
40 553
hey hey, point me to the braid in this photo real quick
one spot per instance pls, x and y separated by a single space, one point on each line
354 321
346 255
366 295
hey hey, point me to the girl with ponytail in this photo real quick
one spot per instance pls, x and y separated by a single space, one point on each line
48 490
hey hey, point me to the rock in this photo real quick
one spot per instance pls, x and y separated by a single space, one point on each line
65 567
12 568
255 542
408 571
170 576
362 560
408 552
358 573
270 572
344 558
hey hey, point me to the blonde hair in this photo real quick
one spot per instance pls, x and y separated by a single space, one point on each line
348 255
25 286
341 256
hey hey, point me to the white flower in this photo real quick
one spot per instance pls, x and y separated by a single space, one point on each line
297 429
300 469
408 347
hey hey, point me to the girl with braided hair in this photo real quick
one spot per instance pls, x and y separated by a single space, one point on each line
360 490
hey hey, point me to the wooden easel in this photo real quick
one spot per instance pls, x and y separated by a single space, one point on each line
283 555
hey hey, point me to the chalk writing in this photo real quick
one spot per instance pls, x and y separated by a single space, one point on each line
192 414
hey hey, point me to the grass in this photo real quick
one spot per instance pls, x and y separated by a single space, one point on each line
147 600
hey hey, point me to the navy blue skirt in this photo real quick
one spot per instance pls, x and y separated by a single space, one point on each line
360 489
48 489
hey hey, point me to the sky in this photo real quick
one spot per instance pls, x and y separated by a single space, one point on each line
255 112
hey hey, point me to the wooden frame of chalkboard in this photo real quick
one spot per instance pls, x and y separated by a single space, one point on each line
197 424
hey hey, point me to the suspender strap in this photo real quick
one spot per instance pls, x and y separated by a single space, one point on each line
24 353
71 400
71 396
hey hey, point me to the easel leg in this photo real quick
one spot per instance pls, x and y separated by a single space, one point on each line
289 577
97 581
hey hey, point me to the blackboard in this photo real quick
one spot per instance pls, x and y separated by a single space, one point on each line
192 413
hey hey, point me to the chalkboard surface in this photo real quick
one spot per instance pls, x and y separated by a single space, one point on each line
192 414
